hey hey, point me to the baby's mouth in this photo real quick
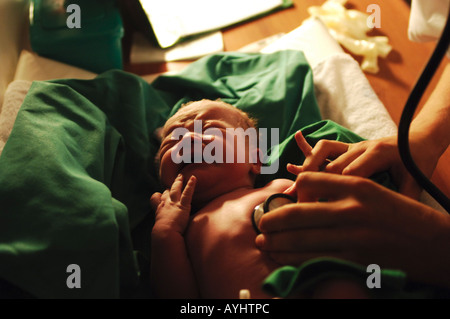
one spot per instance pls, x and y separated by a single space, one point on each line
195 159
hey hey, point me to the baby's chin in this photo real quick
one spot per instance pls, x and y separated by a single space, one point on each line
208 188
202 171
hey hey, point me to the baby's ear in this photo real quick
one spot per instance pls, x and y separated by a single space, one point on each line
158 133
157 162
256 168
255 160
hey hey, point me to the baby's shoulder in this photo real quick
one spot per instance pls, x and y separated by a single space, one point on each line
279 184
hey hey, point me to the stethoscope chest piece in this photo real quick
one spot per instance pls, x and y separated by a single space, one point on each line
272 202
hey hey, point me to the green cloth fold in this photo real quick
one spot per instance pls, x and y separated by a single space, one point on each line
289 281
74 180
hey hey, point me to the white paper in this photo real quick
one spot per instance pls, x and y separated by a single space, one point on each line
143 51
172 20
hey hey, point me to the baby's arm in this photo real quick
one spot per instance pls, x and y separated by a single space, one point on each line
171 271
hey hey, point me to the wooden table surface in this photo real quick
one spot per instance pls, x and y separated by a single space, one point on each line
398 72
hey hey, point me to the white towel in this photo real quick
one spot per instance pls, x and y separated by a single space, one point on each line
14 96
345 96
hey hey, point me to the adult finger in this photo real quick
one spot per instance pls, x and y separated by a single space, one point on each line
323 151
299 215
311 240
291 190
303 144
294 169
367 164
314 186
341 162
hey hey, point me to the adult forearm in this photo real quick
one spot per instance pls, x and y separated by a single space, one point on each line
433 263
432 123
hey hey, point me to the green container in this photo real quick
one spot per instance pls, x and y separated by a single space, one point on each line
87 36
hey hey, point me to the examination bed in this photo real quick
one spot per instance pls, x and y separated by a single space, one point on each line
76 156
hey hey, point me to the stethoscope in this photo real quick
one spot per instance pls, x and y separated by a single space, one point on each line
272 202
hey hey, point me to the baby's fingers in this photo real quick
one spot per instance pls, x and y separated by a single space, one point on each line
188 192
176 188
155 200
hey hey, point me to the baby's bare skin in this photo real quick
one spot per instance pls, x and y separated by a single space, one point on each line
213 253
220 241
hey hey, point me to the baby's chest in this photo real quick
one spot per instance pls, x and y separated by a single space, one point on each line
222 250
228 226
229 221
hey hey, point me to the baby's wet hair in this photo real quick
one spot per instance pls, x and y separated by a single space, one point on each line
248 119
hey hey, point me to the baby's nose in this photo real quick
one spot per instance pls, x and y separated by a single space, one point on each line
196 137
193 137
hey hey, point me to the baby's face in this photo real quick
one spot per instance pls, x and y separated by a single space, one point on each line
213 178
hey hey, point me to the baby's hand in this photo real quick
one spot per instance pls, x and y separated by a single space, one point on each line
173 207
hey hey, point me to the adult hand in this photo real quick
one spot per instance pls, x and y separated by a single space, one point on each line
366 158
360 221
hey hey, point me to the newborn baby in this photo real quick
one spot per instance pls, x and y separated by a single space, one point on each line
203 240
